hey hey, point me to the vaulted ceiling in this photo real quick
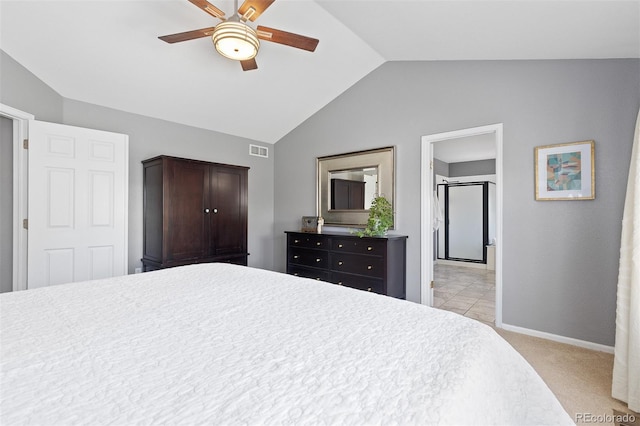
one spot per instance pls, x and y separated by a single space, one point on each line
107 52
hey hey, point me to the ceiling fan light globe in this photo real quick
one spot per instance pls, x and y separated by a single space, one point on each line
235 40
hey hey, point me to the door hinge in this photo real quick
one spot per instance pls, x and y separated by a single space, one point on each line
433 284
25 223
25 144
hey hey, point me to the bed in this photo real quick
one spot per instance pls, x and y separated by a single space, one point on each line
227 344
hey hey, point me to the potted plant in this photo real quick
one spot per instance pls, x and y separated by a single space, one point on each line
380 218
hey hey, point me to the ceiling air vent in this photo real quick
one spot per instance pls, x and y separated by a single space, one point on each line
259 151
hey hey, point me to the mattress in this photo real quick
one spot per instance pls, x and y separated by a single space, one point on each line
226 344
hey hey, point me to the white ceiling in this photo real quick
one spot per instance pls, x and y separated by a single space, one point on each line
107 52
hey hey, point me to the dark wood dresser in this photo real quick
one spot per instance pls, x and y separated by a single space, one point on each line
370 264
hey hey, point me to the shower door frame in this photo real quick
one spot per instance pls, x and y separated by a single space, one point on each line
485 220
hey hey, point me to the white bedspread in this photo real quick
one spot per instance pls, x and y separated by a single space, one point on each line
224 344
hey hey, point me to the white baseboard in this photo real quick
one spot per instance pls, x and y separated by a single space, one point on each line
557 338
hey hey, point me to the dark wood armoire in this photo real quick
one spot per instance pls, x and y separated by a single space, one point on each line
194 212
347 194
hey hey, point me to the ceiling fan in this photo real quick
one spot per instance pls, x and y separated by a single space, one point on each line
235 39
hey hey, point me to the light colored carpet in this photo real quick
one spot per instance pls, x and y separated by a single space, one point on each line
580 378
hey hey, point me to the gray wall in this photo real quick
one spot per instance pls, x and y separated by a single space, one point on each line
472 168
560 258
149 137
439 168
6 205
22 90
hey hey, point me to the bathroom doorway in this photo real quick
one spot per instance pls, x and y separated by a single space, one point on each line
14 131
469 142
6 204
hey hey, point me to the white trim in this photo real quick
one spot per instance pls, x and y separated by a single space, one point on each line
560 339
426 243
426 223
20 185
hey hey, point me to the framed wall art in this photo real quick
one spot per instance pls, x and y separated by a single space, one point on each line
565 171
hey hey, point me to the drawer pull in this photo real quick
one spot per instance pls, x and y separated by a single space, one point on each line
319 243
296 257
318 279
339 245
369 267
296 274
369 248
339 282
340 263
368 288
296 241
318 260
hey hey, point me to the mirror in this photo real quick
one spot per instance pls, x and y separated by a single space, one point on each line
348 183
353 189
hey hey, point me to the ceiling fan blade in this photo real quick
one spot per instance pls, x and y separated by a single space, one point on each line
249 64
209 8
258 7
188 35
289 39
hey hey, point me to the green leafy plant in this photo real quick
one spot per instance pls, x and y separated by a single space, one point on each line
380 218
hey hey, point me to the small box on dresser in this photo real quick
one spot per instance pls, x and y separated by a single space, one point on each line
371 264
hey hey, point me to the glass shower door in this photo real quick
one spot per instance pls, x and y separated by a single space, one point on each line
466 222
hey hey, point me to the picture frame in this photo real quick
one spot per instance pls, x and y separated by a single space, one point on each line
565 171
309 224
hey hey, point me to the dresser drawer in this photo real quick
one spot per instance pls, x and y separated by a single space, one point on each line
308 241
315 274
358 245
375 264
308 257
372 266
358 282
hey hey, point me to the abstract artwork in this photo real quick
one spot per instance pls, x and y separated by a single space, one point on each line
565 171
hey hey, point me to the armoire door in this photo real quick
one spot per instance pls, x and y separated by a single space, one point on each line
347 194
187 229
229 210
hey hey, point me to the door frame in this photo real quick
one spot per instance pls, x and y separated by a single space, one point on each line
20 184
426 220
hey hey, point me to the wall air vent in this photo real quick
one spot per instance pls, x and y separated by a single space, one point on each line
259 151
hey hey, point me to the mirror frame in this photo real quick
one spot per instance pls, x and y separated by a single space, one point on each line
382 158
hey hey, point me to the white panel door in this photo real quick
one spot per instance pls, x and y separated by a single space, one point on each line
78 189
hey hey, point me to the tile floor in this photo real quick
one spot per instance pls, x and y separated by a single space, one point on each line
467 291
